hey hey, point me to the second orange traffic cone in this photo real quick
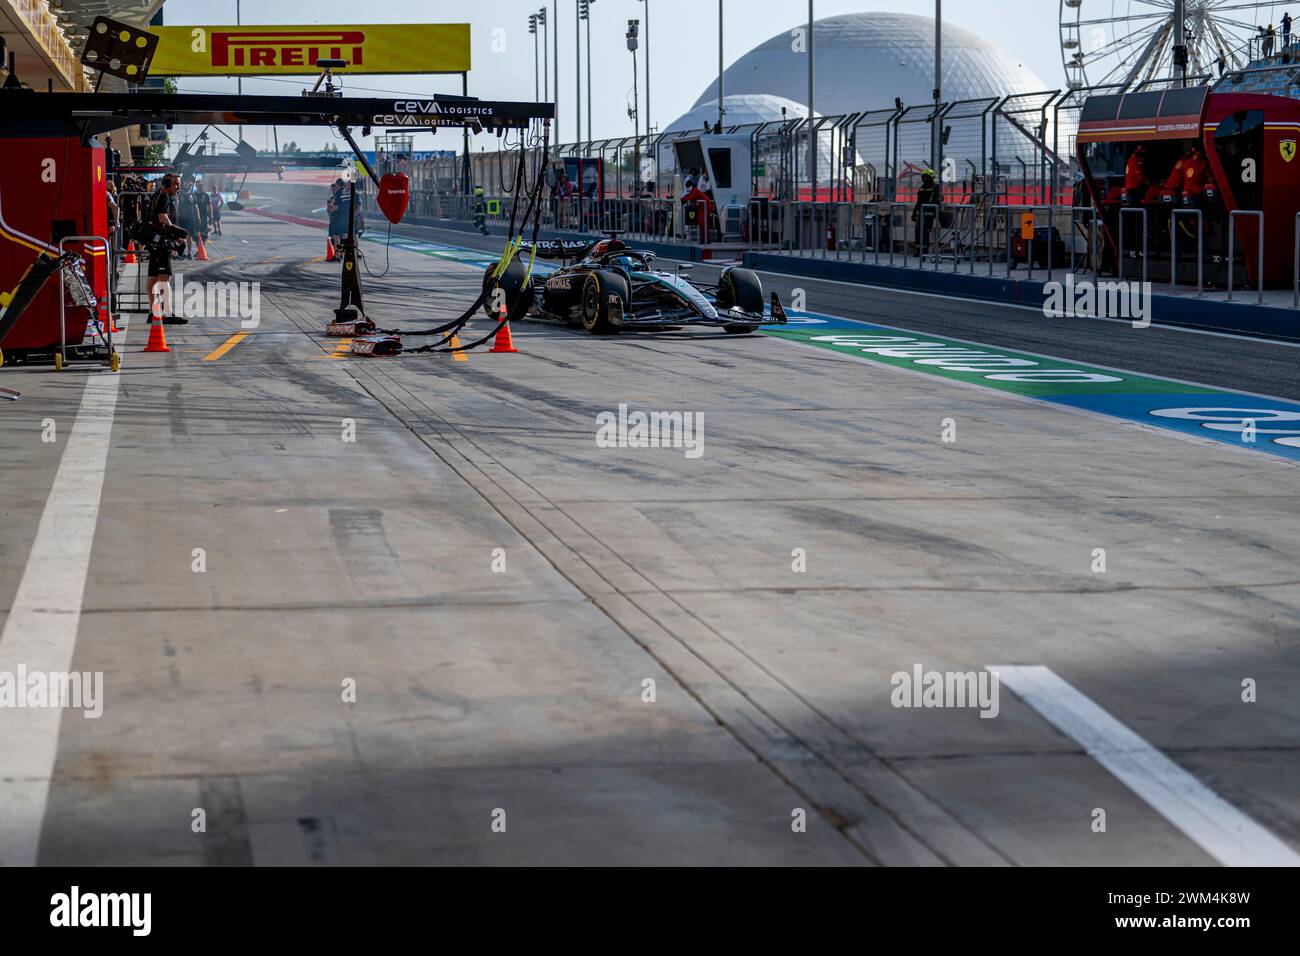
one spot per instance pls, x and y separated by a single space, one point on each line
157 337
203 250
329 249
502 342
130 254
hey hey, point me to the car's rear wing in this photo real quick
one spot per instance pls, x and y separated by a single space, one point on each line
557 248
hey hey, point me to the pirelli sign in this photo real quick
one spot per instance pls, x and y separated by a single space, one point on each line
294 50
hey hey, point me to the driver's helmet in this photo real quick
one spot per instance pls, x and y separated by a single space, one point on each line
626 262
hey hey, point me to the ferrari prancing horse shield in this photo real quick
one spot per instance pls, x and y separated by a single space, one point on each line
1288 149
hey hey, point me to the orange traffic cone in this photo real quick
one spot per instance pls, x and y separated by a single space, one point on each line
157 338
502 342
112 324
130 254
329 249
203 250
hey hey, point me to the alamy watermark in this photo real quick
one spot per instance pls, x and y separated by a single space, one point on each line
922 688
1109 299
79 690
638 429
133 911
217 300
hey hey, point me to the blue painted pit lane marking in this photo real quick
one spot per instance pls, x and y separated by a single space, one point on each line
1220 415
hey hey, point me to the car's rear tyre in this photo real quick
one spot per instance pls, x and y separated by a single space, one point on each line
740 288
594 307
516 284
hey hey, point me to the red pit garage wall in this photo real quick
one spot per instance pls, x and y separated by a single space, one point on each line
50 187
1276 187
1273 184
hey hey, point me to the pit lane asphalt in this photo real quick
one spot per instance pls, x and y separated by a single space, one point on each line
523 690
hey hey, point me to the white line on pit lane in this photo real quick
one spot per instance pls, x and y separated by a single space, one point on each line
41 631
1213 824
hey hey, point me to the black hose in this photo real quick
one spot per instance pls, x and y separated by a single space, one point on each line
449 329
533 210
388 253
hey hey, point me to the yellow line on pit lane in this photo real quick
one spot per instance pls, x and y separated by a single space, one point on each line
225 346
458 356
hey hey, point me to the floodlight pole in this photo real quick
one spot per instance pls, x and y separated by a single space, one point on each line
721 95
935 133
555 15
543 19
464 175
1180 39
647 73
812 135
589 110
577 73
537 81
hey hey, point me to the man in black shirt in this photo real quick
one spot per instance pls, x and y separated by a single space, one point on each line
203 207
162 212
928 200
189 219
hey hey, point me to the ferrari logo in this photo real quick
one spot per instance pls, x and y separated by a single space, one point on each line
1288 149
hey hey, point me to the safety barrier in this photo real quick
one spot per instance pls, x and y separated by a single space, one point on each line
139 198
92 243
1094 246
1200 248
1121 268
1232 258
973 236
1032 211
1295 268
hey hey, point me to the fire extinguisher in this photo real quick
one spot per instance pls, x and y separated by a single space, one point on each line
830 237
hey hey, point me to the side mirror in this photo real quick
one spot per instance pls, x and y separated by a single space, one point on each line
685 267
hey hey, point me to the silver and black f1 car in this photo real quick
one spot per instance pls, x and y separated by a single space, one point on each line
609 287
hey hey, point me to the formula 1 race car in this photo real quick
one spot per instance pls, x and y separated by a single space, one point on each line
608 288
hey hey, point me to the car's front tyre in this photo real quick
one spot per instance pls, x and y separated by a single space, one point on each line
740 288
602 293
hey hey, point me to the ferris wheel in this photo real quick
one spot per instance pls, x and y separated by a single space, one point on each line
1131 41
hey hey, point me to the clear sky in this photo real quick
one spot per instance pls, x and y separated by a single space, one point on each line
683 36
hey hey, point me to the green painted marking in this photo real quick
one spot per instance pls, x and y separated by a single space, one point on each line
985 365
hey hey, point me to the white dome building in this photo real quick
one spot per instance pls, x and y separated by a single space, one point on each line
742 110
865 60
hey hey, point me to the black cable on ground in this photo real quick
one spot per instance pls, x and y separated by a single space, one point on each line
449 329
534 209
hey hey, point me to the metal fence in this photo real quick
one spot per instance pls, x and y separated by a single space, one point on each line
832 158
844 187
